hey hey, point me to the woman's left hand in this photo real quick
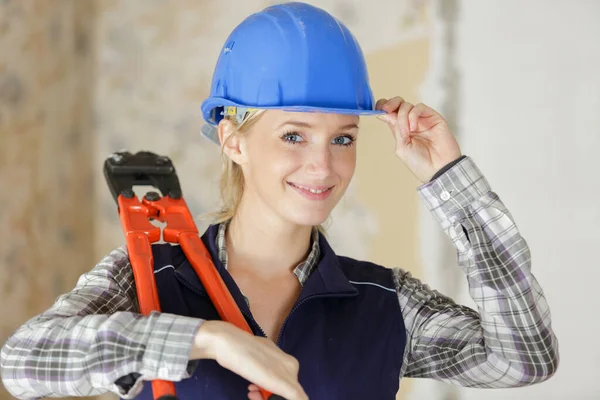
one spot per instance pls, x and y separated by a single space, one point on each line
423 140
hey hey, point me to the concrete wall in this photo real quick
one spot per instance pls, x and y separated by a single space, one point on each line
529 114
47 59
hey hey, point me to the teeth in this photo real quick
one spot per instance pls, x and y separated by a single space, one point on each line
314 190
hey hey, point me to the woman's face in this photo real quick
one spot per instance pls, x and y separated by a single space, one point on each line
297 165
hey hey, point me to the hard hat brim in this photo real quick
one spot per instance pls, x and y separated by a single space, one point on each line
209 130
213 102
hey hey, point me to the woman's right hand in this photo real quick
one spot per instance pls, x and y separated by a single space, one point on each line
254 358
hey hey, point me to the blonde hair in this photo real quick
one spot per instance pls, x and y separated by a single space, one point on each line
232 177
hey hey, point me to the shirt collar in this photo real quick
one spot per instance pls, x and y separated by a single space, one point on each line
302 271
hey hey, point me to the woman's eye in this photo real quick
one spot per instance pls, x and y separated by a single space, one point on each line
295 138
343 140
292 138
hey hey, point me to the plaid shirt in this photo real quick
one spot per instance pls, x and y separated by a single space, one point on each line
302 271
94 335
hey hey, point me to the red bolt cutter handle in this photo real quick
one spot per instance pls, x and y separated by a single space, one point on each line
123 171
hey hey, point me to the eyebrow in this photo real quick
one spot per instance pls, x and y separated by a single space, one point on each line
301 124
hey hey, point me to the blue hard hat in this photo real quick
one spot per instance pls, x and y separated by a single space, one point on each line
293 57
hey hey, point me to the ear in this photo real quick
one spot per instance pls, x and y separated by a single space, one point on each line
231 143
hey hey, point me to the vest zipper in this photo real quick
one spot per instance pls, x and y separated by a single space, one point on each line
244 313
249 317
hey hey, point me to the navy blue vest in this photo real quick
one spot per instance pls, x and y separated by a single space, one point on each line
346 328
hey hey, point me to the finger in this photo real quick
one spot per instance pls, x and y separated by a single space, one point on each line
390 119
380 103
255 395
419 111
414 115
392 104
427 111
403 111
254 392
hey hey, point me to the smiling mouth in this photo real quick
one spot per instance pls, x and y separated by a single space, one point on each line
312 189
312 192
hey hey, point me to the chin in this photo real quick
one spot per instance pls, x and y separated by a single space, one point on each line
308 217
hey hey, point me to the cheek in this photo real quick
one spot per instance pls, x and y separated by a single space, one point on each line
287 161
272 165
344 164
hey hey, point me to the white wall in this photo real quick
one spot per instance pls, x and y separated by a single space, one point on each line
530 117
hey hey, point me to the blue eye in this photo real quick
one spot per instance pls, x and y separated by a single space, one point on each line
343 141
295 138
292 137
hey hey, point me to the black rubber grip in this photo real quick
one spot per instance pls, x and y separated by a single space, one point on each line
168 397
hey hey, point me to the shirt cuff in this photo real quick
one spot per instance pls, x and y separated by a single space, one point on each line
168 348
167 352
446 168
454 190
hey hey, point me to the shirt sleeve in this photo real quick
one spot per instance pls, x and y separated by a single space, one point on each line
508 341
94 336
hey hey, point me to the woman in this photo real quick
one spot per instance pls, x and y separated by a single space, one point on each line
287 93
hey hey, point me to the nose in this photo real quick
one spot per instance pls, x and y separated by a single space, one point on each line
319 162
